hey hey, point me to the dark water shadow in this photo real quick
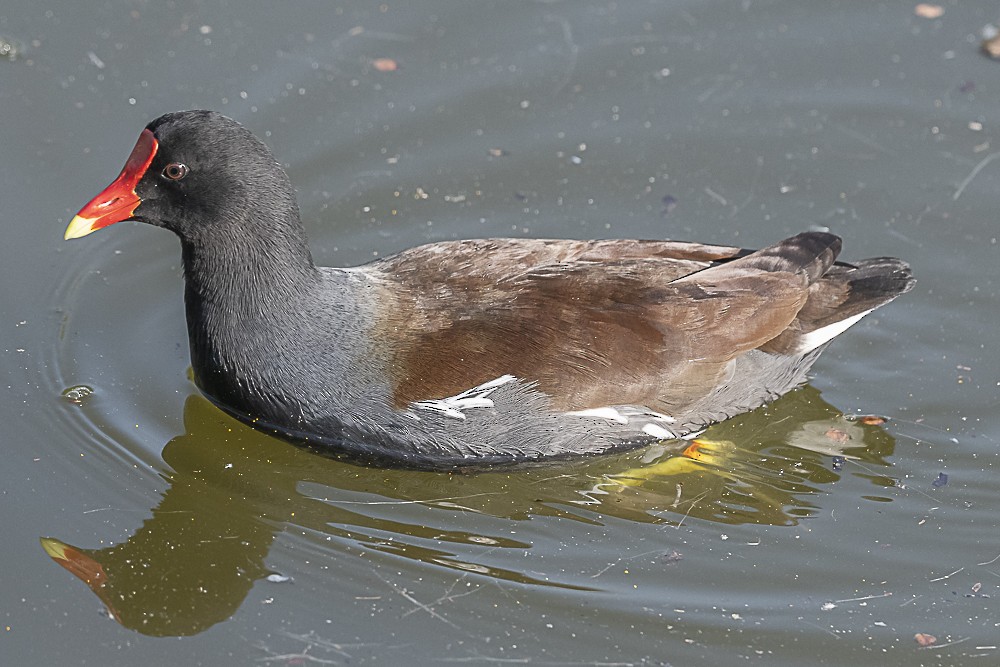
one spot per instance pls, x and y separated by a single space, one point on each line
232 489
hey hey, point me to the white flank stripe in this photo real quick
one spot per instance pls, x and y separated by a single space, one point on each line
601 413
657 432
643 413
814 339
492 384
452 406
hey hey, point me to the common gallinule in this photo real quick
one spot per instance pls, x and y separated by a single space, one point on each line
476 352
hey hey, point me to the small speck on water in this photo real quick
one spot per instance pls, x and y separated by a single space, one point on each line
385 65
9 49
79 394
873 420
669 204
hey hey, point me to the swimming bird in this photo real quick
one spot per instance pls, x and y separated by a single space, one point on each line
477 352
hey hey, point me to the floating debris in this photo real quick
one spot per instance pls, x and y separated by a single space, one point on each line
991 47
9 49
925 639
671 557
79 394
838 462
928 11
867 420
837 435
279 579
991 41
669 204
941 480
385 65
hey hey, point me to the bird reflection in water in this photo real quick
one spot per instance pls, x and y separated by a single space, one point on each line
232 489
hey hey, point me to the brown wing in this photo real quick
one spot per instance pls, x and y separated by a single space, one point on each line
491 260
592 323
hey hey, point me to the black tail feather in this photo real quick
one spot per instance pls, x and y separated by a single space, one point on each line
844 291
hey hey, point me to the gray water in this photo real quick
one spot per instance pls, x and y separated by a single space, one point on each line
735 123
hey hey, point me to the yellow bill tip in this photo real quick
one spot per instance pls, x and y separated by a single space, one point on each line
54 548
78 226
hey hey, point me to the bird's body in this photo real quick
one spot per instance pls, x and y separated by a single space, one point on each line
473 352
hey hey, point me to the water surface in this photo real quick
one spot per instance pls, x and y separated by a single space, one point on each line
795 535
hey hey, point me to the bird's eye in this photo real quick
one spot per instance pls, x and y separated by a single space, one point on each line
175 171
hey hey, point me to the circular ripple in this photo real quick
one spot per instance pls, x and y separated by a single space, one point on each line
118 356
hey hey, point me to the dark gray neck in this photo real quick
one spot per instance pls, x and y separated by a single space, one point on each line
247 271
242 296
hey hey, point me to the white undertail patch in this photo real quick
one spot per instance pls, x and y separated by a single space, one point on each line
453 406
813 339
